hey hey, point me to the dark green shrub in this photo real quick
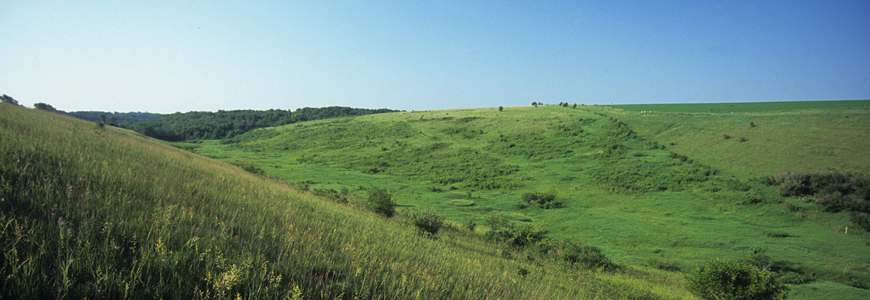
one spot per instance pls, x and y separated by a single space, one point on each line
729 279
500 108
735 184
251 168
861 220
527 235
589 257
427 221
381 201
541 200
500 228
522 271
331 194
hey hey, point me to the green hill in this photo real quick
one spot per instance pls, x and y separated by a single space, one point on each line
658 191
88 211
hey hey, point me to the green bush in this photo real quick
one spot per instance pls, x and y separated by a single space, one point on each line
331 194
730 279
427 221
381 201
540 200
500 228
528 235
589 257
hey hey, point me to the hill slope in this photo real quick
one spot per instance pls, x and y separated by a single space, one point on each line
98 212
624 188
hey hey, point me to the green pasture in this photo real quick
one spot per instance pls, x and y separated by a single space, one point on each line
660 191
743 106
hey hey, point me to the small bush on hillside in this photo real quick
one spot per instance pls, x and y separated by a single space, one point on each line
861 220
527 235
502 230
500 227
541 200
331 194
589 257
735 184
501 108
427 221
381 201
251 168
730 279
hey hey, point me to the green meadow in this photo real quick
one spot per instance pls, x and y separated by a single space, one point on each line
102 212
659 191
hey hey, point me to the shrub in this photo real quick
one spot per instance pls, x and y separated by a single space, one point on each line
500 108
541 200
729 279
589 257
861 220
527 235
500 228
427 221
331 194
381 201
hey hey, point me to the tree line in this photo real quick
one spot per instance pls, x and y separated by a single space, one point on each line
227 124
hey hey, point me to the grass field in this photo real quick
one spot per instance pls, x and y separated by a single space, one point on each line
93 212
749 107
104 213
653 190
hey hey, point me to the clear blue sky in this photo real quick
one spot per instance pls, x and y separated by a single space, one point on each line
173 56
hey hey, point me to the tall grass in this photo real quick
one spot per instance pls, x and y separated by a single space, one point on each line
96 212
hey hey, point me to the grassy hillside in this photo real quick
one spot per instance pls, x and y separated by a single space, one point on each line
650 194
763 138
97 212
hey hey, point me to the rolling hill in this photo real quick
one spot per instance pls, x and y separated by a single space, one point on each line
92 211
658 190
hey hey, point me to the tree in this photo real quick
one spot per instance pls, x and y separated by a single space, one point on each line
535 104
500 108
6 99
381 201
731 279
44 106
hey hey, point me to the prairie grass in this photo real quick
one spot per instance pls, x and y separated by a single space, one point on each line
97 212
661 192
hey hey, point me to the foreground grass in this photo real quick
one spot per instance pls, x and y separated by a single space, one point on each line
648 203
91 212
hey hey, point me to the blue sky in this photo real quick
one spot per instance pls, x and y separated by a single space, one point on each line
183 56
